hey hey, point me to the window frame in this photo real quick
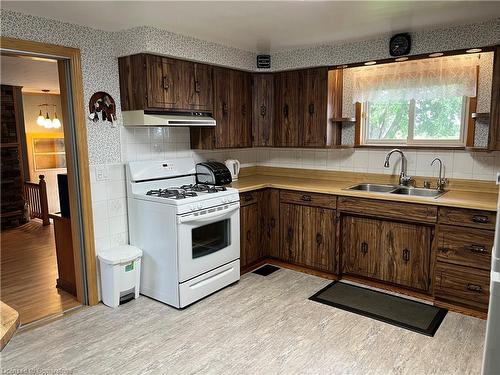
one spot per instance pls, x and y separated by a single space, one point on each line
410 140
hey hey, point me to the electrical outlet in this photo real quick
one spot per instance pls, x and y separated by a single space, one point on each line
102 173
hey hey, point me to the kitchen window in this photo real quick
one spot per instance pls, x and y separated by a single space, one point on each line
421 102
439 121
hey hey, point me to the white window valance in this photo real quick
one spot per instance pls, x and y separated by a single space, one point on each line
418 79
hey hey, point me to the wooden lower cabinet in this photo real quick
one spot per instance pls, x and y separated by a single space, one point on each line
393 252
308 236
270 219
405 251
360 246
463 285
250 249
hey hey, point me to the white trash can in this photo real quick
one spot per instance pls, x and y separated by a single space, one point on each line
120 274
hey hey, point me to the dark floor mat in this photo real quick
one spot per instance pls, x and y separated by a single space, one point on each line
415 316
266 270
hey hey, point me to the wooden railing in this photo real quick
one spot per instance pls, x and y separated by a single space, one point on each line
36 196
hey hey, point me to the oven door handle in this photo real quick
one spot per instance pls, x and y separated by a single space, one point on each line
207 217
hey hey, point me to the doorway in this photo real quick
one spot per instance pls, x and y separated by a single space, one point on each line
47 253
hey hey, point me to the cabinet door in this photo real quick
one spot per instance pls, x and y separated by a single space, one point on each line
360 246
198 86
405 254
240 118
270 217
289 108
164 81
222 108
318 239
290 231
249 234
262 109
316 97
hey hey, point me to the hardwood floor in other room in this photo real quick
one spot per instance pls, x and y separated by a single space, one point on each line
29 272
261 325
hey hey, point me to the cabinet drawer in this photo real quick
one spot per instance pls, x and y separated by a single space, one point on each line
388 209
248 198
468 218
308 199
464 285
468 247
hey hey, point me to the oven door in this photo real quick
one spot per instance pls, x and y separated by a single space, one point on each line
208 239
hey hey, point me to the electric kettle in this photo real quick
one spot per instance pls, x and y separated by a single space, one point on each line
234 167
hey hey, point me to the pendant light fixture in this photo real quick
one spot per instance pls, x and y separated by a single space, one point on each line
46 121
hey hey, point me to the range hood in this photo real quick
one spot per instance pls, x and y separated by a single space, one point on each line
147 118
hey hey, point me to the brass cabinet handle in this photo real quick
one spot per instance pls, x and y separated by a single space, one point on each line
225 108
406 255
197 87
443 249
247 198
243 110
474 288
263 110
364 247
165 83
481 219
290 233
311 108
319 238
306 198
249 235
285 110
273 222
478 249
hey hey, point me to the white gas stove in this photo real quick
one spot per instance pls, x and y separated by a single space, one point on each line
189 232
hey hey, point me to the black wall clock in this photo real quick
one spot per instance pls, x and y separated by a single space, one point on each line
400 44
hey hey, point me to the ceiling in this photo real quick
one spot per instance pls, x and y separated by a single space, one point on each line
263 26
32 73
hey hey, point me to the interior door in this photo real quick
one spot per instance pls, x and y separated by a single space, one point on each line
222 108
318 250
315 114
198 86
289 108
164 80
263 106
290 231
249 234
360 246
405 254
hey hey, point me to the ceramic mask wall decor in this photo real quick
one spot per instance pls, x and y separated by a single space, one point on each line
102 103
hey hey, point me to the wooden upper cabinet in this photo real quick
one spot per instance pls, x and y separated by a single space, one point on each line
222 108
151 82
241 109
494 134
163 82
198 86
315 123
263 109
288 108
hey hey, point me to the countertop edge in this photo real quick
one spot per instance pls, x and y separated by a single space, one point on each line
385 197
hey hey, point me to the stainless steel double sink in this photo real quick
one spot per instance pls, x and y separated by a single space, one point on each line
397 189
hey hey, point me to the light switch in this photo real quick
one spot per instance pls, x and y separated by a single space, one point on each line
102 173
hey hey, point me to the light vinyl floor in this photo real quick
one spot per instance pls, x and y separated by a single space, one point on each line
261 325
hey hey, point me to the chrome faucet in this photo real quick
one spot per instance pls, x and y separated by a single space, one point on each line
441 182
404 179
